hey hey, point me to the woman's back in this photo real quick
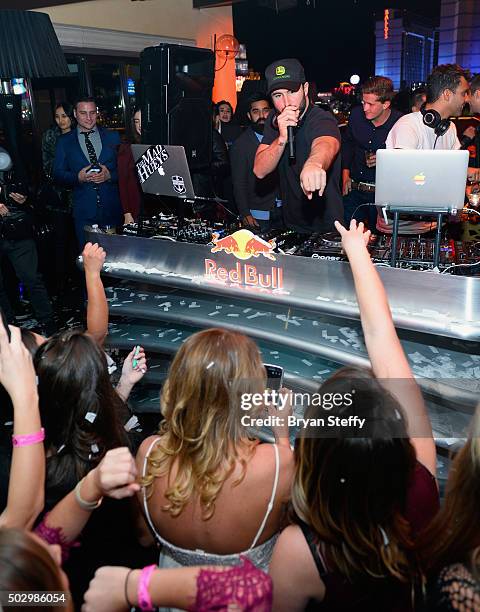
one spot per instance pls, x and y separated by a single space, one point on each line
208 485
240 507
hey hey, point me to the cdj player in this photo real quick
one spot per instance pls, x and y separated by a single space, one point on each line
414 252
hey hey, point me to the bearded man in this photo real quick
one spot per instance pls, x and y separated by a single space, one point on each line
310 179
258 200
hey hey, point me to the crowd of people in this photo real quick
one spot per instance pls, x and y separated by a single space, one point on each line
216 518
288 166
203 515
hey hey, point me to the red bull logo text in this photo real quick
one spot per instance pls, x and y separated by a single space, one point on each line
246 274
243 244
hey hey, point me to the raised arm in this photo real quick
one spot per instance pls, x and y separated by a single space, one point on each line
113 477
267 157
386 354
97 306
27 471
133 370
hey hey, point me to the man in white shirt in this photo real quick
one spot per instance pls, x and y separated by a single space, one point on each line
431 128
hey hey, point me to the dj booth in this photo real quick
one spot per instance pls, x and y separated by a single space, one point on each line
294 294
301 310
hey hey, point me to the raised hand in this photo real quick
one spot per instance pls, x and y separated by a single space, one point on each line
93 258
134 366
17 373
355 237
116 474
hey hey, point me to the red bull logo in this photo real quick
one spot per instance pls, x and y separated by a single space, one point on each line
243 244
245 275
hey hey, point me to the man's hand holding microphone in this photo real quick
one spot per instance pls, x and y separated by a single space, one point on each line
312 177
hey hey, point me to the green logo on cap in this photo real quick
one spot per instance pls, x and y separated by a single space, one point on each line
280 70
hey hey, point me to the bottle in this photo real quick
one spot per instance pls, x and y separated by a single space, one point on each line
93 228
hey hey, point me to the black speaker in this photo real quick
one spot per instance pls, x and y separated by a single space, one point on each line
176 92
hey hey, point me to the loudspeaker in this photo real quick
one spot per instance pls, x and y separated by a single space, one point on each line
11 124
176 92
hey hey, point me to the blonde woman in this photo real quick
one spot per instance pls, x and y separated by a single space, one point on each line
211 492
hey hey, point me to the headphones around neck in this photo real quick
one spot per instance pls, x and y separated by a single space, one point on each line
433 119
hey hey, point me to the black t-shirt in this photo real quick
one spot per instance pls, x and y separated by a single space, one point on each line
300 213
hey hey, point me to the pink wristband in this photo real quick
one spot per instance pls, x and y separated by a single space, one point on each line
144 599
29 439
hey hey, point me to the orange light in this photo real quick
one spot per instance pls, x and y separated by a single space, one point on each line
386 18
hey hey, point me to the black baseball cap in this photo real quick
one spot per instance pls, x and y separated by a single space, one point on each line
284 74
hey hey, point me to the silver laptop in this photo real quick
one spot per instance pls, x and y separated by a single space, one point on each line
414 180
163 170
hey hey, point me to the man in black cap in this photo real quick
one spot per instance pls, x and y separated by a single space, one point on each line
310 182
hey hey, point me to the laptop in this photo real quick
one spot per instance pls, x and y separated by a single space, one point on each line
163 170
421 181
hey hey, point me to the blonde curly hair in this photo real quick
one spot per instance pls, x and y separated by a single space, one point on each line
202 430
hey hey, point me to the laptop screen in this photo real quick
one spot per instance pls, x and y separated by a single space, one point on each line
417 180
163 170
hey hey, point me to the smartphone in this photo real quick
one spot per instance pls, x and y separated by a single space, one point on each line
5 323
95 168
274 376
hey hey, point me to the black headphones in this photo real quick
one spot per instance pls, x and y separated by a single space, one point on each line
433 119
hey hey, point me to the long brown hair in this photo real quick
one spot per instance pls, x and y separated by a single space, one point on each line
25 565
202 429
80 409
351 486
454 534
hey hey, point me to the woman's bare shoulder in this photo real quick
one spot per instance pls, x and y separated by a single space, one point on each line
145 446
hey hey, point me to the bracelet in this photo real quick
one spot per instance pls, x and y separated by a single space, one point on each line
144 599
126 589
29 439
86 505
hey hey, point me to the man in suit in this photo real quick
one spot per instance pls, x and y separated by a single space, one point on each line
257 200
86 159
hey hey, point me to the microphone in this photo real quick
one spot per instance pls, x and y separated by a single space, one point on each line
290 136
291 142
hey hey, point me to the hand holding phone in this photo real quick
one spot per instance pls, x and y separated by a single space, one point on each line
94 169
135 354
274 376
